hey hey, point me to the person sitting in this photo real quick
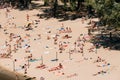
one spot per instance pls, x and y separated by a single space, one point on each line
60 65
67 36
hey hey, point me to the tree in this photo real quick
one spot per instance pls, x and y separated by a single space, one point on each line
79 4
55 8
73 5
46 2
24 3
65 4
108 12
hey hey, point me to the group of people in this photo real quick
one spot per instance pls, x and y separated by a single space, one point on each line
65 30
17 42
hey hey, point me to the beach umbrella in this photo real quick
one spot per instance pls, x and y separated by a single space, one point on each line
41 59
70 55
14 64
56 58
28 61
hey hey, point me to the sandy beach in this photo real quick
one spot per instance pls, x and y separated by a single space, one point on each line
52 49
6 74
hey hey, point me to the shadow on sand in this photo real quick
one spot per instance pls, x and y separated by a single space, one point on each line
105 41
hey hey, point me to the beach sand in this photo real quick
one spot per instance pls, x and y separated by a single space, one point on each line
76 67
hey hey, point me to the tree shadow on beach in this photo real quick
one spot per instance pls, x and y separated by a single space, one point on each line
36 6
61 14
31 6
104 41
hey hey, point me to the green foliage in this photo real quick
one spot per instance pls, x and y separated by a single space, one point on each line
65 4
46 2
108 11
73 4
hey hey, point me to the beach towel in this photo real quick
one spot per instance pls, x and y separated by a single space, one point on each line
33 60
54 60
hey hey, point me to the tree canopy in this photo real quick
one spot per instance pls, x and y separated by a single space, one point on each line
108 11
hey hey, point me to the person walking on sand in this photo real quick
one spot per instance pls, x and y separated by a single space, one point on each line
27 16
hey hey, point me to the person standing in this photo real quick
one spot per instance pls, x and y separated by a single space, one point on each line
27 16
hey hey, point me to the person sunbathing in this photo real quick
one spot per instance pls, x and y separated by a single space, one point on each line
104 64
72 75
42 66
54 69
5 56
66 30
59 73
66 36
107 64
100 72
60 66
62 30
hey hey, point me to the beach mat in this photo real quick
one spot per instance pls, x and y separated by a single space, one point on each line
33 60
54 60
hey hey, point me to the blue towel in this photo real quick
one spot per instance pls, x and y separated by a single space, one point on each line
34 60
54 60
